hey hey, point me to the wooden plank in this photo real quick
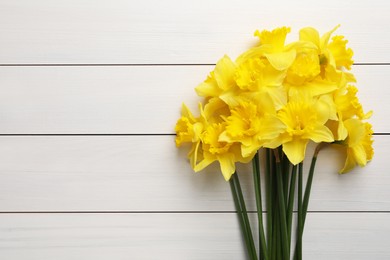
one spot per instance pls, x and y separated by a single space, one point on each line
175 31
143 99
147 173
177 236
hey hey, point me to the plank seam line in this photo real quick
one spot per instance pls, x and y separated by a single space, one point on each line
189 212
145 64
119 134
108 64
103 134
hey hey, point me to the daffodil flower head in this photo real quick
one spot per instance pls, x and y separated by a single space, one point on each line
188 128
334 53
257 77
252 125
348 104
358 144
220 81
212 149
305 67
275 38
344 105
305 120
342 55
272 46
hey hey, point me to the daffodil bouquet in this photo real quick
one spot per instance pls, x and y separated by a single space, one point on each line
278 97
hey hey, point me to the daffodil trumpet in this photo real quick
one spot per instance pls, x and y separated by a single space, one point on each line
278 97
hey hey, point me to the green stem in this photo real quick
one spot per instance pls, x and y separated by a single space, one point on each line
282 208
290 206
257 182
268 178
300 213
308 189
240 216
286 176
276 235
245 216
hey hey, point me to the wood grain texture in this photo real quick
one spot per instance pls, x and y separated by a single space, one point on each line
147 173
336 236
141 100
173 31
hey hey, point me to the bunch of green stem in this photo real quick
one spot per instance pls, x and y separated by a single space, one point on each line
275 233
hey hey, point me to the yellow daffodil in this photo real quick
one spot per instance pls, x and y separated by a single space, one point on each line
257 77
203 134
358 143
310 34
348 104
212 149
342 55
345 105
221 82
306 67
188 128
305 120
276 52
304 75
315 70
252 126
272 46
334 53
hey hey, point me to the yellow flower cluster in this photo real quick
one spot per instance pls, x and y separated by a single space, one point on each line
277 94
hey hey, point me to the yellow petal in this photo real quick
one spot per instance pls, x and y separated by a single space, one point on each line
276 142
311 35
253 53
325 38
214 109
295 150
281 60
224 73
236 150
224 137
356 131
319 87
227 165
320 134
203 164
208 88
249 150
349 163
360 155
342 131
341 54
271 127
230 97
185 111
277 96
275 38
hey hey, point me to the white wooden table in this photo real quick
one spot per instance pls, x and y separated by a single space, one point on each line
89 95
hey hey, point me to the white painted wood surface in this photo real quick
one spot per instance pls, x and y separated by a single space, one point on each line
180 236
135 197
173 31
108 100
147 173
